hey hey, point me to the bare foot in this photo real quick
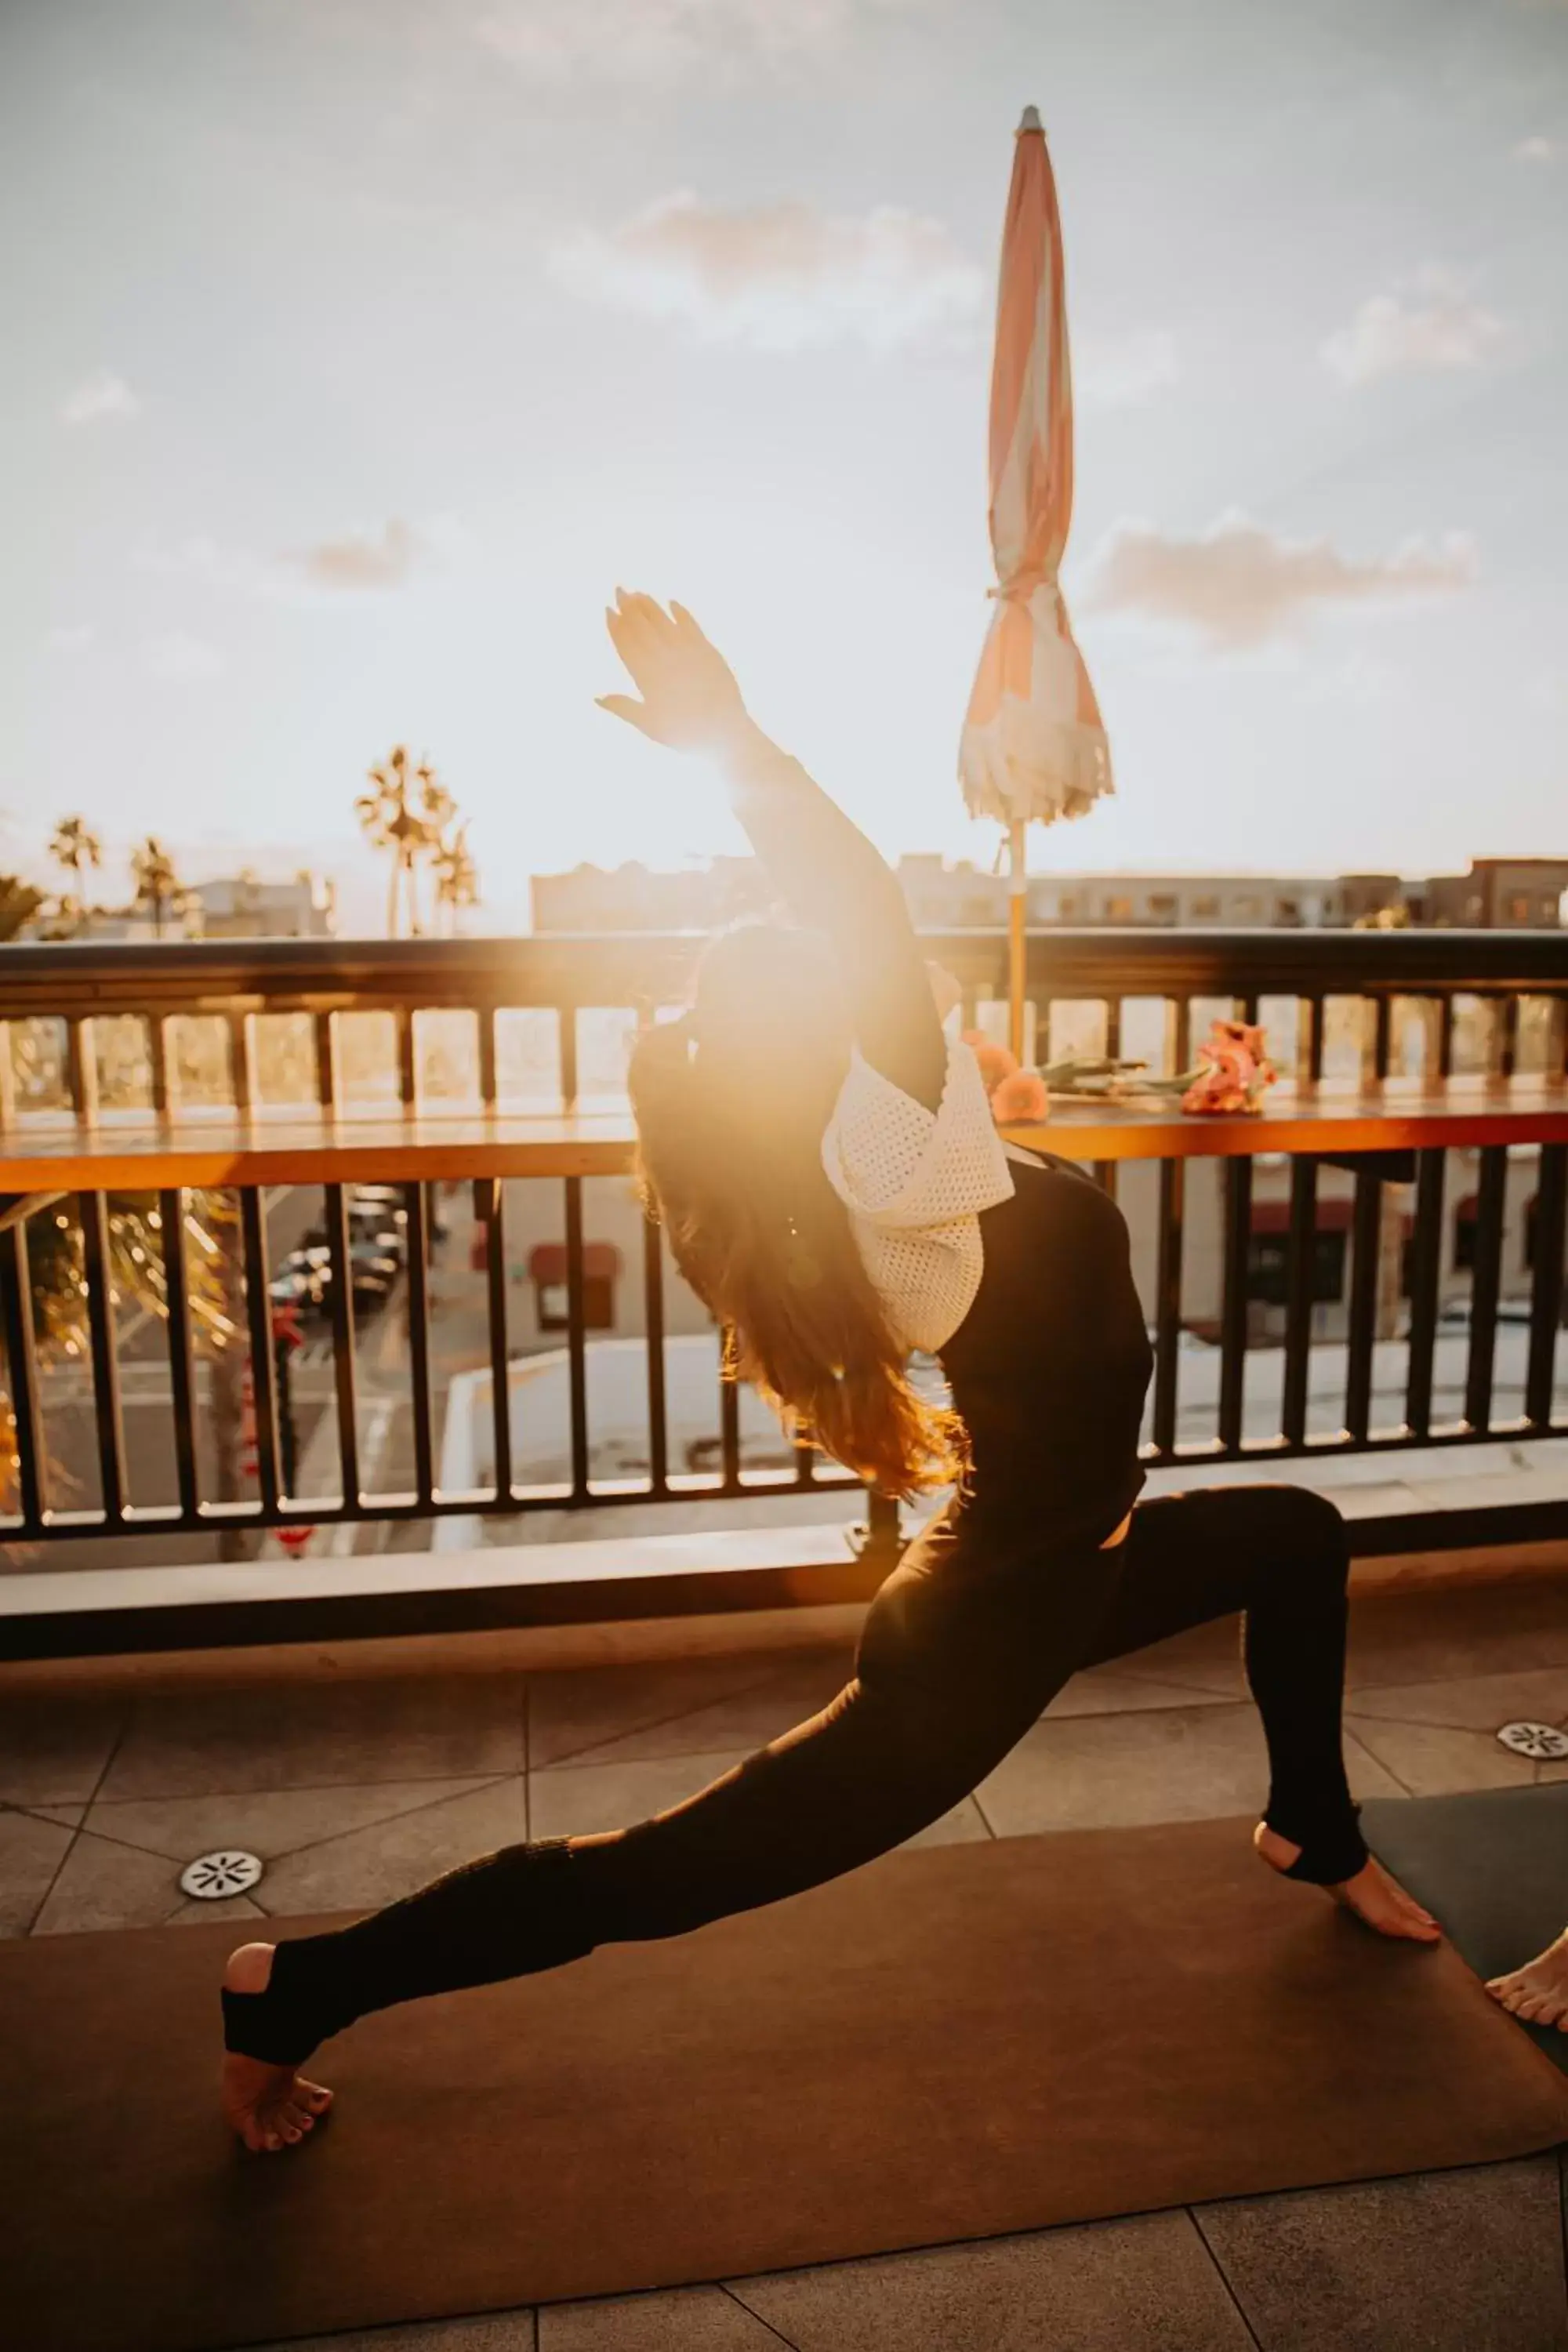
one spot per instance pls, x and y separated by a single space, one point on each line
269 2108
1372 1895
1539 1991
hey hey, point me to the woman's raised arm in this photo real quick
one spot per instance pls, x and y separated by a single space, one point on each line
831 878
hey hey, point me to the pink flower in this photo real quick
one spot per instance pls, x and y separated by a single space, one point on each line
1020 1100
995 1062
1234 1070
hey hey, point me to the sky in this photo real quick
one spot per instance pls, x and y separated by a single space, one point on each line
357 349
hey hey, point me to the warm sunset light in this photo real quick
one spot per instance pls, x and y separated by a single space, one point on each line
356 349
784 1176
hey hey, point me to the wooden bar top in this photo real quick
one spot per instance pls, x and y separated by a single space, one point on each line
138 1151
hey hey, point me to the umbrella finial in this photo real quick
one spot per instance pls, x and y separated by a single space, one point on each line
1031 121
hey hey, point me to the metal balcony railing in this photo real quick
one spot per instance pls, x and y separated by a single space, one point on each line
118 1116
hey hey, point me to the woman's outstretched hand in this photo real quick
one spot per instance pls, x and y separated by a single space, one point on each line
689 698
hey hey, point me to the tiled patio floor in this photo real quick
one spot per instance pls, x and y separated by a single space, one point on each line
354 1791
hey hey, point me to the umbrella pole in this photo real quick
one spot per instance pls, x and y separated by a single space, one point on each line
1017 907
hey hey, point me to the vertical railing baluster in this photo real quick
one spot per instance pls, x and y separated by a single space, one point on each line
158 1063
566 1033
1546 1283
408 1064
326 1062
1236 1177
241 1063
341 1304
417 1282
489 1084
7 1075
729 1421
22 1365
489 1208
1300 1256
258 1321
1316 1026
1366 1217
1382 1034
1506 1033
1445 1035
577 1340
1181 1034
1486 1284
1168 1304
81 1068
1426 1278
653 1324
182 1355
1112 1028
97 1261
1105 1176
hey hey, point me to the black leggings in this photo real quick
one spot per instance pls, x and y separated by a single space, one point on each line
966 1642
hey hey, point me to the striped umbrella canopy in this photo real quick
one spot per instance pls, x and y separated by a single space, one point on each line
1033 744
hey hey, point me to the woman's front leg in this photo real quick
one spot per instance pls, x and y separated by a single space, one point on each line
1277 1555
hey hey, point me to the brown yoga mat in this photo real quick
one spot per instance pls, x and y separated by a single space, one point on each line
950 2044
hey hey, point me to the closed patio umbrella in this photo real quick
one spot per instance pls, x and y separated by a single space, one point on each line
1033 744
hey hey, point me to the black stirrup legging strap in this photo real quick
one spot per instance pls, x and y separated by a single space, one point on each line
966 1642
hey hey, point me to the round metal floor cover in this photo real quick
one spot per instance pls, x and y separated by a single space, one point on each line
214 1877
1540 1740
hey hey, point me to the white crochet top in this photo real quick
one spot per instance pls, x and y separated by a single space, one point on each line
914 1182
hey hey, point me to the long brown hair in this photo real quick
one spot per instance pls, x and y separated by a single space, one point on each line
730 1103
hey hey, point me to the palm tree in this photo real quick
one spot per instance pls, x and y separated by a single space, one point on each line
456 878
407 814
157 884
19 902
72 845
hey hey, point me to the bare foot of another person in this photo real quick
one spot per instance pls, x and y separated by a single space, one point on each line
1539 1991
1376 1898
269 2108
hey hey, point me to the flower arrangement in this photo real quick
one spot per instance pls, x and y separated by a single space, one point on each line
1231 1076
1018 1096
1233 1071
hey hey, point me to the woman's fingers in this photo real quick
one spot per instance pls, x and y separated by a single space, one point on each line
684 620
626 706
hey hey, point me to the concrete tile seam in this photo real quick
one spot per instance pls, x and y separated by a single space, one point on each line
274 1788
736 2296
472 1788
1220 2273
115 1747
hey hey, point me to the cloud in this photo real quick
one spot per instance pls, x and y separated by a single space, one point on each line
358 563
1239 585
1122 370
363 560
70 637
779 277
97 396
645 42
1536 150
179 660
1431 331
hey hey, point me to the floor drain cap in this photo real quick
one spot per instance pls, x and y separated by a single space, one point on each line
1543 1741
212 1877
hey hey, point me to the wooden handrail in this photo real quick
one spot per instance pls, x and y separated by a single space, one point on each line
131 1151
71 979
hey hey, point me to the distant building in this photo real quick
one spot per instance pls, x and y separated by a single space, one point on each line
1498 893
243 907
944 898
235 907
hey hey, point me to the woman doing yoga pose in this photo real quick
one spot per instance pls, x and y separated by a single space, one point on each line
835 1191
